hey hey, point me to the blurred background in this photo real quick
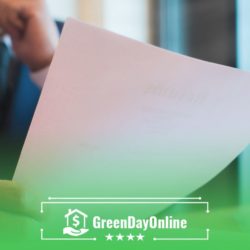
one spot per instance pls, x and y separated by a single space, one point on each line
212 30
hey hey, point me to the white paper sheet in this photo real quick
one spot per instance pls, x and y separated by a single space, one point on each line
118 118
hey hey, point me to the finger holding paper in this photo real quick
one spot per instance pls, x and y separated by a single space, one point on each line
15 217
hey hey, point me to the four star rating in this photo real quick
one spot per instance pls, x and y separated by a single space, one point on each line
121 237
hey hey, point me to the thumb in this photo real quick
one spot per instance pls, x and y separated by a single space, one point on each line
10 196
12 200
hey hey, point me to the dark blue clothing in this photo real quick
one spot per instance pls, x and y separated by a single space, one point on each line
18 109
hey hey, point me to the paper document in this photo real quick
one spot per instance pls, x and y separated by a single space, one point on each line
119 118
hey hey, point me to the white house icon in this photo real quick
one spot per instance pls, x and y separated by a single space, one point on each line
76 223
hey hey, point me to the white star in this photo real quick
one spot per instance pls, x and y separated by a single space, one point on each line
130 237
119 237
140 237
109 237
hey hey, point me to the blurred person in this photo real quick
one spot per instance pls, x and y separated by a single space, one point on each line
33 33
28 38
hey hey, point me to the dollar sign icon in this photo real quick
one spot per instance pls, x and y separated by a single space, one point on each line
76 221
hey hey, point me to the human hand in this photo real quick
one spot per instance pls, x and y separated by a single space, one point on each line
11 197
16 220
33 32
12 200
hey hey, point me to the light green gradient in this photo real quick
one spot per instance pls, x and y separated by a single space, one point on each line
229 229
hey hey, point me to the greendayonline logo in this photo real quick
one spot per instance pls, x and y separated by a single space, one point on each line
80 222
76 223
132 222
